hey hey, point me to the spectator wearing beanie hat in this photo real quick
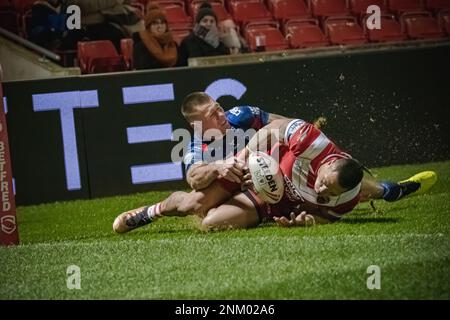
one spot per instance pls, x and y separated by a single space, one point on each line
204 39
154 47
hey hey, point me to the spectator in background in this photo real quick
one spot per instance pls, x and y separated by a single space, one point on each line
204 39
231 38
154 47
108 19
48 24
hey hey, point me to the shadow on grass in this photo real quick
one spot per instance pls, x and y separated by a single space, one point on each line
369 220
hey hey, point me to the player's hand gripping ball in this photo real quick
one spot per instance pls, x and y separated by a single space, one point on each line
267 177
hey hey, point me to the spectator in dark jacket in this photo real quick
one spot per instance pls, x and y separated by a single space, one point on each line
154 47
204 39
47 24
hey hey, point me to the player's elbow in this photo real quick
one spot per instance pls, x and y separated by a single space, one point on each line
195 182
191 182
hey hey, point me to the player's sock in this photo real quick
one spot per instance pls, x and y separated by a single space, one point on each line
154 211
395 191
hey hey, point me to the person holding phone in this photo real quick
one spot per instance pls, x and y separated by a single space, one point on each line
204 40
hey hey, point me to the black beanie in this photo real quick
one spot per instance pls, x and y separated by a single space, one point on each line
205 10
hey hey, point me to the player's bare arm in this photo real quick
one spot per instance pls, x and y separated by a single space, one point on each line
201 175
265 137
302 219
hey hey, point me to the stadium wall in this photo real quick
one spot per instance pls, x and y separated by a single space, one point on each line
92 136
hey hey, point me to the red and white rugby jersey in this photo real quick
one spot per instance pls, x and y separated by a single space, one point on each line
306 149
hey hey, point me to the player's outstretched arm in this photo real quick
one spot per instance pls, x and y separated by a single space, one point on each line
201 175
266 137
274 116
301 220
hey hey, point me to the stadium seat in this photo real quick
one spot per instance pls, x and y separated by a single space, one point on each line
26 24
391 30
126 48
444 21
266 31
326 8
175 11
217 5
9 20
359 7
22 5
6 4
437 5
179 33
244 11
99 56
400 6
420 25
305 33
344 31
288 9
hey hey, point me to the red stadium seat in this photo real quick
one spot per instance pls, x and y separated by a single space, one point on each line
444 21
344 31
437 5
391 30
126 48
99 56
400 6
22 5
421 25
266 31
244 11
9 20
326 8
288 9
6 4
179 33
217 6
359 7
175 11
305 33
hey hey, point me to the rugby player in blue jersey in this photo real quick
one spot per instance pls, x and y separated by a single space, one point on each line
213 182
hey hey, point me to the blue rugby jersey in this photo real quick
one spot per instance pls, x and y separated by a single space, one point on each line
240 117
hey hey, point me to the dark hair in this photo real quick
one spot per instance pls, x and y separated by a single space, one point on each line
350 173
205 10
191 101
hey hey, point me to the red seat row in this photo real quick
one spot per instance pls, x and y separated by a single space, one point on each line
101 56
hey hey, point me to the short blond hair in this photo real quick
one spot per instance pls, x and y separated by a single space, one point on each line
191 101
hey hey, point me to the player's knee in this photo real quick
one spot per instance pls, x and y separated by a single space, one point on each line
210 221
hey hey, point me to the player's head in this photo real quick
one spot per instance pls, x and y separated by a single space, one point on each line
336 177
198 106
206 17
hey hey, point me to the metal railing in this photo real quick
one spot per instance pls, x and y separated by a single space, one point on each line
29 45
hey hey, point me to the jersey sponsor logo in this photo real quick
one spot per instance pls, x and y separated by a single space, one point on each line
293 127
290 191
255 110
235 111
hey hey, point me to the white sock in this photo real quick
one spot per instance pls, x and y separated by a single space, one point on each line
154 211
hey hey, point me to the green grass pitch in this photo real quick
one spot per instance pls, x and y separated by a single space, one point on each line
171 259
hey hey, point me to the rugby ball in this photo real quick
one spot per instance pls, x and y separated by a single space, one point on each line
267 177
